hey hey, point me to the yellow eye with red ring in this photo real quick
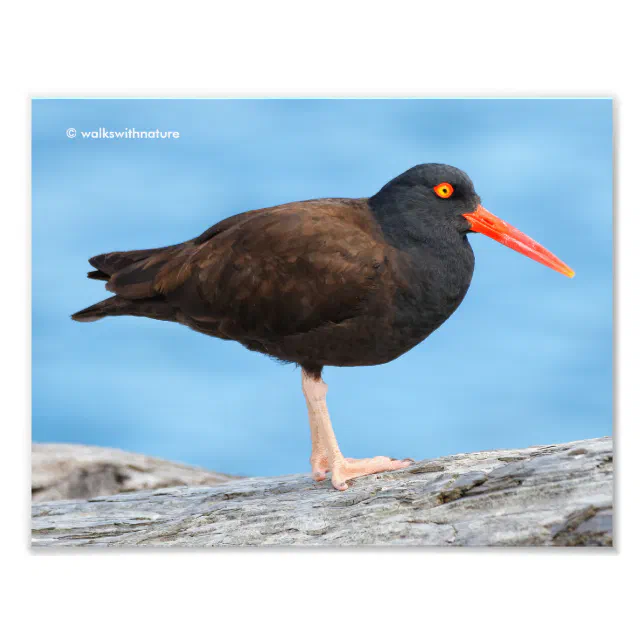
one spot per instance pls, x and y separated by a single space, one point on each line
444 190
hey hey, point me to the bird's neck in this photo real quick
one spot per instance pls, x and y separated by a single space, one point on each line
403 217
436 258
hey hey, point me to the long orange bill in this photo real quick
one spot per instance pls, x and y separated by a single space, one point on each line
485 222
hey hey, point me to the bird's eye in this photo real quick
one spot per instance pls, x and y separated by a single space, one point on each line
444 190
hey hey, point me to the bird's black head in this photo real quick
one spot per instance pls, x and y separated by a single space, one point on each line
432 206
424 201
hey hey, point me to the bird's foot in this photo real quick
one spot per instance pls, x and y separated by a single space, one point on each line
351 468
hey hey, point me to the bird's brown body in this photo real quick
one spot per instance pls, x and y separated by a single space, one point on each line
314 282
342 282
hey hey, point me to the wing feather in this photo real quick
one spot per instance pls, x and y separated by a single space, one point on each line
284 271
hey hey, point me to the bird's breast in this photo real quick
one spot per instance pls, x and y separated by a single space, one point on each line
430 287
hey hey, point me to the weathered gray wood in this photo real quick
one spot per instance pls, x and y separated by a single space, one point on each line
546 495
66 471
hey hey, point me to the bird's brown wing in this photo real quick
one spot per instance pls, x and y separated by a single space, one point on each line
271 273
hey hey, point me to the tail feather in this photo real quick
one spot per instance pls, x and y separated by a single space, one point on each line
130 275
111 306
137 280
154 307
110 263
98 275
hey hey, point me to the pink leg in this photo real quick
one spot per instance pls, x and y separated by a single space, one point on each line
323 438
319 461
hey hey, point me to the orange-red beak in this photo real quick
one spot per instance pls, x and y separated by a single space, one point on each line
485 222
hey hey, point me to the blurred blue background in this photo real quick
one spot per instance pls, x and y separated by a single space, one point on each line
526 359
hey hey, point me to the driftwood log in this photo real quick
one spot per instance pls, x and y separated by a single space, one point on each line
66 471
553 495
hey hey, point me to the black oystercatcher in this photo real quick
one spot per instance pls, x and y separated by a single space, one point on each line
341 282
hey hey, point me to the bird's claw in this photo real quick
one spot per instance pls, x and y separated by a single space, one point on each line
352 468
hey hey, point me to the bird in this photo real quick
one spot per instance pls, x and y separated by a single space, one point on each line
325 282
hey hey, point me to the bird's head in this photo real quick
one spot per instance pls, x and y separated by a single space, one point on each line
442 195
